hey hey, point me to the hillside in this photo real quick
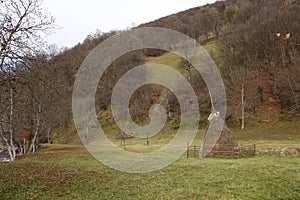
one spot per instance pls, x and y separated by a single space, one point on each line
254 43
241 37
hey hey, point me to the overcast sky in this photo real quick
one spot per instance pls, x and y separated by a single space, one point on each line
77 19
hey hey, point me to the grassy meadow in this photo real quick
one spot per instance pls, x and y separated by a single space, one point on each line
68 171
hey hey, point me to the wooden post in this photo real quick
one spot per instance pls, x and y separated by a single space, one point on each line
187 150
254 149
242 152
147 142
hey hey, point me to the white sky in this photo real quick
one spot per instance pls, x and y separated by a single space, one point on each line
77 19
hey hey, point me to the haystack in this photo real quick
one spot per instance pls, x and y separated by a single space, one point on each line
219 140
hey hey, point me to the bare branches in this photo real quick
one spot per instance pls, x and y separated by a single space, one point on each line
23 27
261 58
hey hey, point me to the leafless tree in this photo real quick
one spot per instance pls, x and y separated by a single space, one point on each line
22 29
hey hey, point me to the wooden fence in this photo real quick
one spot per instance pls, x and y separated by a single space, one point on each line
243 150
247 150
193 150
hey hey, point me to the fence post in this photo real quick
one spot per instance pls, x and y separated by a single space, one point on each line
124 143
187 150
147 142
254 149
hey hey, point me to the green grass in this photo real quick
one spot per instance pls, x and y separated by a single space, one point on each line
70 172
169 59
172 60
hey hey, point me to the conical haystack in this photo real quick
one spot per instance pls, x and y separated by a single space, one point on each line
219 140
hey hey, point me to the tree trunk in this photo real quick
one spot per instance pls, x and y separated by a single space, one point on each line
273 79
189 71
32 147
87 133
24 146
11 148
297 106
48 134
243 106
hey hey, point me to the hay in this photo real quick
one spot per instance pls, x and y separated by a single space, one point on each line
219 140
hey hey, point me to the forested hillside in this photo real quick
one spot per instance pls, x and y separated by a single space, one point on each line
256 45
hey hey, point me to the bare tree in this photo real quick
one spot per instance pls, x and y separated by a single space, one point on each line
22 27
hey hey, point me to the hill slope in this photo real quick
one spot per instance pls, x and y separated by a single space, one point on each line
256 65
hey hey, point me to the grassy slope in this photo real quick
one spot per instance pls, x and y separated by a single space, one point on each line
173 60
